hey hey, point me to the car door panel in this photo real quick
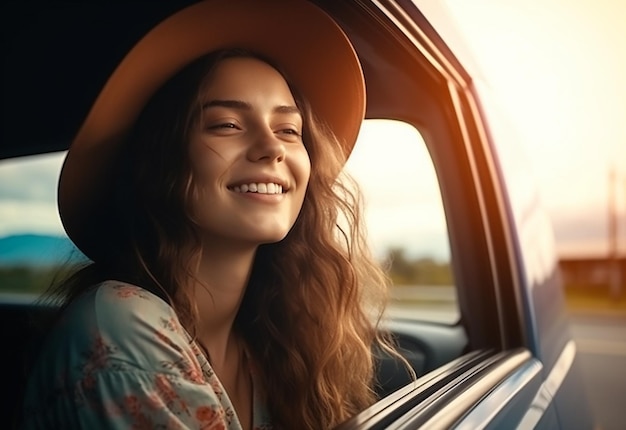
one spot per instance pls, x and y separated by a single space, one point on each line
508 400
425 346
484 390
466 393
418 394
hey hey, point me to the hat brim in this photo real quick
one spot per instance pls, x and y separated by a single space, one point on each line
298 36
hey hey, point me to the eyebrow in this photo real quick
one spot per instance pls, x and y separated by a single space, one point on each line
241 105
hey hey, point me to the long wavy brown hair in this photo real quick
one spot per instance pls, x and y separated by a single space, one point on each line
311 311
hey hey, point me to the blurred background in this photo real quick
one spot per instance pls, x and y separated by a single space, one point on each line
559 68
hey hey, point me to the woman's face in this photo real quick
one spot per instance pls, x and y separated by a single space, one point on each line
249 165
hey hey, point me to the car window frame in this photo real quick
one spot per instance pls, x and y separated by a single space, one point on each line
478 216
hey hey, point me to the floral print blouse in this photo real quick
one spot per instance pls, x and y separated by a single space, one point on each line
120 359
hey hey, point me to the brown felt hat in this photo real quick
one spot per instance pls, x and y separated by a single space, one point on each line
295 34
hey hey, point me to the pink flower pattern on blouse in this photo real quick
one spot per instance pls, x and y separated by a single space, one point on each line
120 359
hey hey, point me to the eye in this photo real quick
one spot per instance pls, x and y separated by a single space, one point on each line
225 128
291 131
223 125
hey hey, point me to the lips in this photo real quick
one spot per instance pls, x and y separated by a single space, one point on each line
259 188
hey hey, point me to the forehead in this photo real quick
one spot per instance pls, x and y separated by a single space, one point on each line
245 77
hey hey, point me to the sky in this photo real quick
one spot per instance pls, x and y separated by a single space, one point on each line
557 67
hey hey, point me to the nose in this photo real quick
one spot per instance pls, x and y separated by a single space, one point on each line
267 147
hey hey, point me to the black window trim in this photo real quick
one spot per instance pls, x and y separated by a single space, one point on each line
444 396
501 351
452 402
494 209
390 408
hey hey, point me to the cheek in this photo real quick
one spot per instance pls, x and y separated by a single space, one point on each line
208 165
304 167
203 186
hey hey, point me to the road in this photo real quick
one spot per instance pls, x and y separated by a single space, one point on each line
601 345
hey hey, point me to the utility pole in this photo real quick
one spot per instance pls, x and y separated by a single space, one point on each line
614 272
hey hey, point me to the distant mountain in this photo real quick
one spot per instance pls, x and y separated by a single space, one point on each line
38 250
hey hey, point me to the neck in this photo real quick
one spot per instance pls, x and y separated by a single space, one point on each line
222 276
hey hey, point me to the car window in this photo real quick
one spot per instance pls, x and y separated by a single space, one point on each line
403 212
33 246
405 219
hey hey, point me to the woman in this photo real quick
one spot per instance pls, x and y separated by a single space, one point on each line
205 186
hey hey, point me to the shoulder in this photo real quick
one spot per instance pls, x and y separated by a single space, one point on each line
118 343
115 304
135 320
116 307
123 324
117 293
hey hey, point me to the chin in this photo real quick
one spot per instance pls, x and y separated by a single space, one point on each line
271 233
273 238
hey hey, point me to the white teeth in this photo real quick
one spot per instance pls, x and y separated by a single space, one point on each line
261 188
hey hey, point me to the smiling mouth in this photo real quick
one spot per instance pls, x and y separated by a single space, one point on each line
259 188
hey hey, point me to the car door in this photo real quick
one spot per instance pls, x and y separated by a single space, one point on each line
517 357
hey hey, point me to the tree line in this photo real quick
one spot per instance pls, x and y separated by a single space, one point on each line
405 270
402 269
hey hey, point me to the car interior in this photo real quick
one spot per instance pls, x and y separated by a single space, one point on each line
59 55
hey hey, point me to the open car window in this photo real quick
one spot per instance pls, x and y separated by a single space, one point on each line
403 213
405 219
33 246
